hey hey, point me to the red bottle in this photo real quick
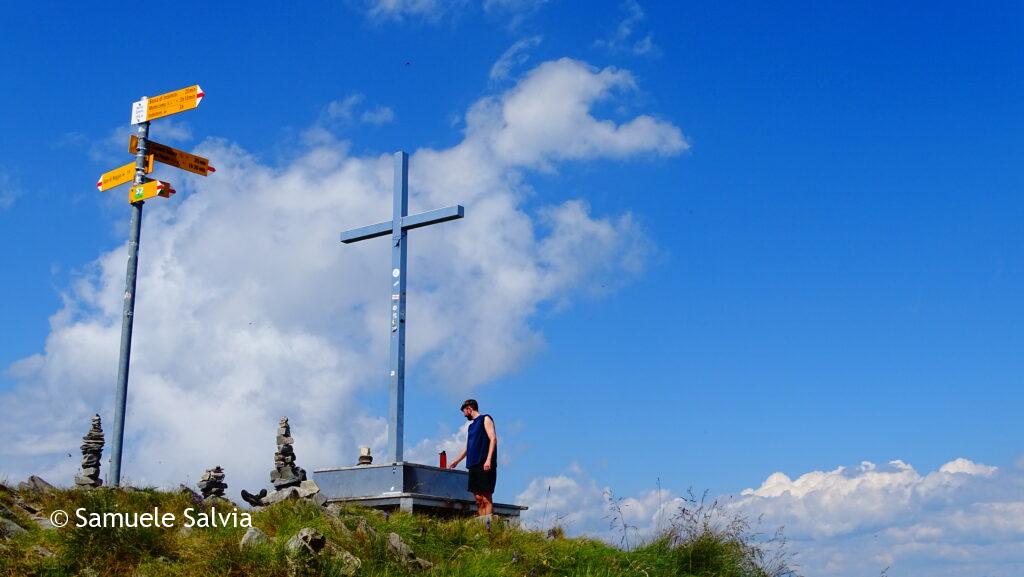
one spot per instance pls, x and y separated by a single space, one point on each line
444 460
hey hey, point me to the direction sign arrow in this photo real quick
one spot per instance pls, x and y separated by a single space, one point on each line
166 104
122 175
148 190
173 156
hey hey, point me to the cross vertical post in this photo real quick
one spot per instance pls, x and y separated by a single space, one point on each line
398 227
399 256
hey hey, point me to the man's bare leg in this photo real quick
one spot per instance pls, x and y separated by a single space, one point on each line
488 503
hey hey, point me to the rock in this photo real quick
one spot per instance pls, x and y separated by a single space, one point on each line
92 451
365 531
212 484
308 541
350 564
26 507
35 484
43 523
285 473
10 529
41 551
320 499
405 554
308 488
254 500
398 548
252 538
282 495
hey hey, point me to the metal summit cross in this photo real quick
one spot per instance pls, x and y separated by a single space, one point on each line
397 227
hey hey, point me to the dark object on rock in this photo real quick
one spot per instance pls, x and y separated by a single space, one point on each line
35 485
254 500
212 484
92 451
285 473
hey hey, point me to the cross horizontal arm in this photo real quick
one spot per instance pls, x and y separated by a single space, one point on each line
433 217
408 223
372 231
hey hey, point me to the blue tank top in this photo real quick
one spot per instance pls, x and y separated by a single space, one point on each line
477 443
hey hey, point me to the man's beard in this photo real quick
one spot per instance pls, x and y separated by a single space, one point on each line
469 417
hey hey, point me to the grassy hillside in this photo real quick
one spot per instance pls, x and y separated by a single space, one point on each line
459 547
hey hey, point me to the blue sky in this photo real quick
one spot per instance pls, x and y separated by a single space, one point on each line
804 256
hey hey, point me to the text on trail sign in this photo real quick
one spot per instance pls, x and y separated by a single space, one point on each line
166 104
173 157
122 175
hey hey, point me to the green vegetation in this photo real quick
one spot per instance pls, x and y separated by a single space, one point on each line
694 545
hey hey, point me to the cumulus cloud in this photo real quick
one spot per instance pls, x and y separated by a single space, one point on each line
965 518
249 308
624 38
548 117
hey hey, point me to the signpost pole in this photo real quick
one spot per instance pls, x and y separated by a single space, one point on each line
129 311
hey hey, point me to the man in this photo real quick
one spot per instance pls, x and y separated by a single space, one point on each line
481 456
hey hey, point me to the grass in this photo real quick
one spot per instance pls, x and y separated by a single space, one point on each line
696 543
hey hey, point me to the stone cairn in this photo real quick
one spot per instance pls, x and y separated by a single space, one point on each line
212 484
285 473
92 450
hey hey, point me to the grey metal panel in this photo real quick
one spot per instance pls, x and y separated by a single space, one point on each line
379 480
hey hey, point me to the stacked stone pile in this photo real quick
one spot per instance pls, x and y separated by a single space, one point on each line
212 484
92 451
286 473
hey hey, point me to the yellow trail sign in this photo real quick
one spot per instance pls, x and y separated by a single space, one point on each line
173 156
122 175
148 190
166 104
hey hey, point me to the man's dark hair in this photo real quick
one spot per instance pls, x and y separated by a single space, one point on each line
470 403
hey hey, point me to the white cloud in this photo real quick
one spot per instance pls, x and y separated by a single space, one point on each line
966 518
623 38
379 115
249 308
430 10
515 56
548 117
345 111
433 11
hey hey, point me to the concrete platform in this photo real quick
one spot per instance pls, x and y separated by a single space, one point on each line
406 487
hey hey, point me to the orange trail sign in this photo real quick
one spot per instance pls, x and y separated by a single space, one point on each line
148 190
173 156
166 104
122 175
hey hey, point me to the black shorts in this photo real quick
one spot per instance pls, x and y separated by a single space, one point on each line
482 482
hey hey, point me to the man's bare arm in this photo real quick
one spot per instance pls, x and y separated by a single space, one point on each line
493 436
455 463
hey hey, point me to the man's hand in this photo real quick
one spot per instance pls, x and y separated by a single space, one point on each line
487 465
453 465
